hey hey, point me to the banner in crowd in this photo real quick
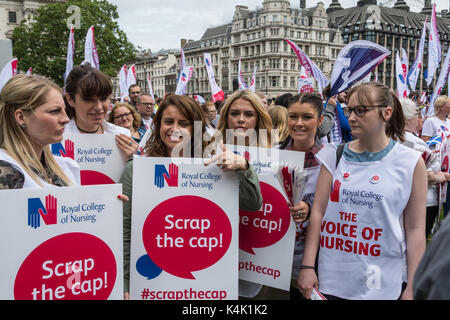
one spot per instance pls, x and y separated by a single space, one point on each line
30 71
186 75
8 71
99 157
70 53
354 62
150 88
241 81
401 72
305 85
309 66
216 92
434 48
442 80
131 76
414 72
267 236
90 50
199 99
182 63
61 244
252 86
184 237
123 83
444 153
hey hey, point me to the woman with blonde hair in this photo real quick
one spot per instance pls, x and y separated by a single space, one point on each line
125 116
279 116
243 119
32 117
439 121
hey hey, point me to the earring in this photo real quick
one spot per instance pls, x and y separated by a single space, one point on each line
23 126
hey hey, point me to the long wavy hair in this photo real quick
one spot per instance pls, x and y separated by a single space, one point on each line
191 110
263 122
26 93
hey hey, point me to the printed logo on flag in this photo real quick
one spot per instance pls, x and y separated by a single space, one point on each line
161 175
36 211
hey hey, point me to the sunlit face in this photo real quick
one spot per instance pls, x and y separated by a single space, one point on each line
174 127
242 116
45 125
303 121
90 113
123 117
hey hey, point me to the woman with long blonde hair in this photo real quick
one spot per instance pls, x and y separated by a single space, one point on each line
32 116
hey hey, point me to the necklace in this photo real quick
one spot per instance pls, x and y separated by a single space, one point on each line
84 131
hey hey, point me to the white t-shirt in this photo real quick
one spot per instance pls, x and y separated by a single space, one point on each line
69 166
433 125
71 128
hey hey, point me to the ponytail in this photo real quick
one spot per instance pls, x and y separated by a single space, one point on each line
395 126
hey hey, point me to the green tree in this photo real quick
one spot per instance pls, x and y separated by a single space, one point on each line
40 41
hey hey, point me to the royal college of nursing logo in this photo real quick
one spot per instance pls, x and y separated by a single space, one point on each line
162 175
68 151
36 211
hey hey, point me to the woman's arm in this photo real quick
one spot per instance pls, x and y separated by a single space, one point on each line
307 278
414 224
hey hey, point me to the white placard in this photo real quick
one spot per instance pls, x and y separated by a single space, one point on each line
184 239
61 243
100 159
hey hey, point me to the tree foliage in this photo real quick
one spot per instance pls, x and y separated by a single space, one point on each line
40 41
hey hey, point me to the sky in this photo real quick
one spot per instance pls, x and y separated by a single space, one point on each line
160 24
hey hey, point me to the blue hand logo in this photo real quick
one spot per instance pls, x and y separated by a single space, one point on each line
35 209
58 149
160 171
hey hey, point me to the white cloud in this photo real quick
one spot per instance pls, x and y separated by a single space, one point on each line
157 24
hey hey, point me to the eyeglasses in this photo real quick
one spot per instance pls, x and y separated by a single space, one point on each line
122 115
147 104
360 111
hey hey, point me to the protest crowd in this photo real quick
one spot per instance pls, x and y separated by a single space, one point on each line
370 219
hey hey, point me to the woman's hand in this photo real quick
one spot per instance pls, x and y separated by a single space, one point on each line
307 280
228 161
299 212
127 144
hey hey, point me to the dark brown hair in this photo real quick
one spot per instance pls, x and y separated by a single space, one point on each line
313 99
87 82
374 93
190 109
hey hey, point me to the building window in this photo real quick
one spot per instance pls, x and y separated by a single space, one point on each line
12 17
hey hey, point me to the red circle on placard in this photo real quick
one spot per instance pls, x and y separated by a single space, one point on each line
89 178
173 242
259 230
35 281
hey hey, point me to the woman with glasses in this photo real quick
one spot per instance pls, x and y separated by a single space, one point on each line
87 93
125 116
368 215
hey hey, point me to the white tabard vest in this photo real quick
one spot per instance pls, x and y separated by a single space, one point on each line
69 166
362 243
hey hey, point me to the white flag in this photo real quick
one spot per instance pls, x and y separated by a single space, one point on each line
8 71
123 82
131 76
414 72
253 82
241 81
440 83
70 53
434 48
90 50
150 87
217 92
184 79
400 77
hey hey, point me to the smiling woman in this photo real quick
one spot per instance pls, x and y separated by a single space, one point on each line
87 100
